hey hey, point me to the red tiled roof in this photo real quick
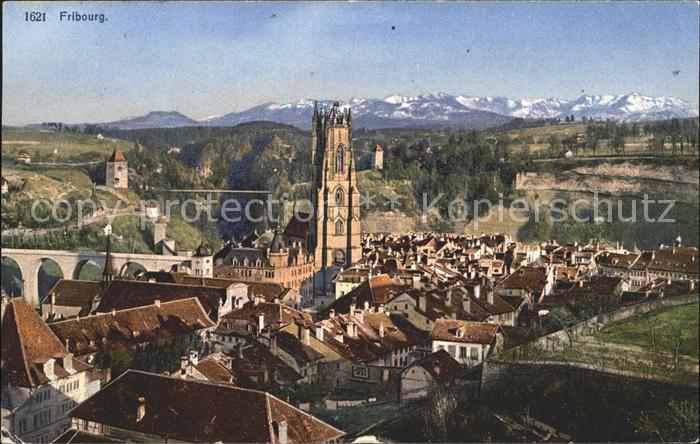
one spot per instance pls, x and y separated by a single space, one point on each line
463 331
295 347
257 363
526 278
197 411
676 259
441 366
276 315
377 290
615 260
117 156
216 372
130 327
27 343
123 294
74 293
368 345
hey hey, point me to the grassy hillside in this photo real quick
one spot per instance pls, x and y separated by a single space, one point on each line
57 146
679 322
127 234
71 184
129 237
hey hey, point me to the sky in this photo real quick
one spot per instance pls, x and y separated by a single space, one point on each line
214 58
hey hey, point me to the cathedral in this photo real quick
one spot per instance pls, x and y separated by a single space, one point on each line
331 233
334 231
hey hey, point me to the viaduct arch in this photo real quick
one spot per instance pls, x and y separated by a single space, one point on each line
70 263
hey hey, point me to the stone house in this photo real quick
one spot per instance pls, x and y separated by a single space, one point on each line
423 376
41 379
469 343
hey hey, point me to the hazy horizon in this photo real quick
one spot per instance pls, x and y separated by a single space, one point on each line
204 59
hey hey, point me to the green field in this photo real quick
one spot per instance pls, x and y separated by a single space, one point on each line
57 146
665 323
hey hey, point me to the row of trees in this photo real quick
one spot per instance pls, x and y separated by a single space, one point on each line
466 167
681 134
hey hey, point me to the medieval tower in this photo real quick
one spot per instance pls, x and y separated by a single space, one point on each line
378 158
117 173
334 234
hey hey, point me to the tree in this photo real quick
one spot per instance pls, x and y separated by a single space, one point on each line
618 142
676 423
565 320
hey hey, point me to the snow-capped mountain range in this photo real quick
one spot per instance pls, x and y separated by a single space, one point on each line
437 109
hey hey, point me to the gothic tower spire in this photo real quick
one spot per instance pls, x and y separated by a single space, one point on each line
335 225
108 271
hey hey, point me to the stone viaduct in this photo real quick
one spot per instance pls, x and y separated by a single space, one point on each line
71 262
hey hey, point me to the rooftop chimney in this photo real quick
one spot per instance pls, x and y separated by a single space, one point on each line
350 329
305 336
477 291
467 304
381 329
280 428
157 303
319 333
140 408
415 280
261 322
331 314
489 297
448 297
352 307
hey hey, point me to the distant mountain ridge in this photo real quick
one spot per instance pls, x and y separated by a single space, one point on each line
154 119
435 110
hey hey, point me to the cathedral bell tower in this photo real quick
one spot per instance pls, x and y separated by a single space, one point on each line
334 234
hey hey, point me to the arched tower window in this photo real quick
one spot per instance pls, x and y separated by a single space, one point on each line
339 155
339 227
339 196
